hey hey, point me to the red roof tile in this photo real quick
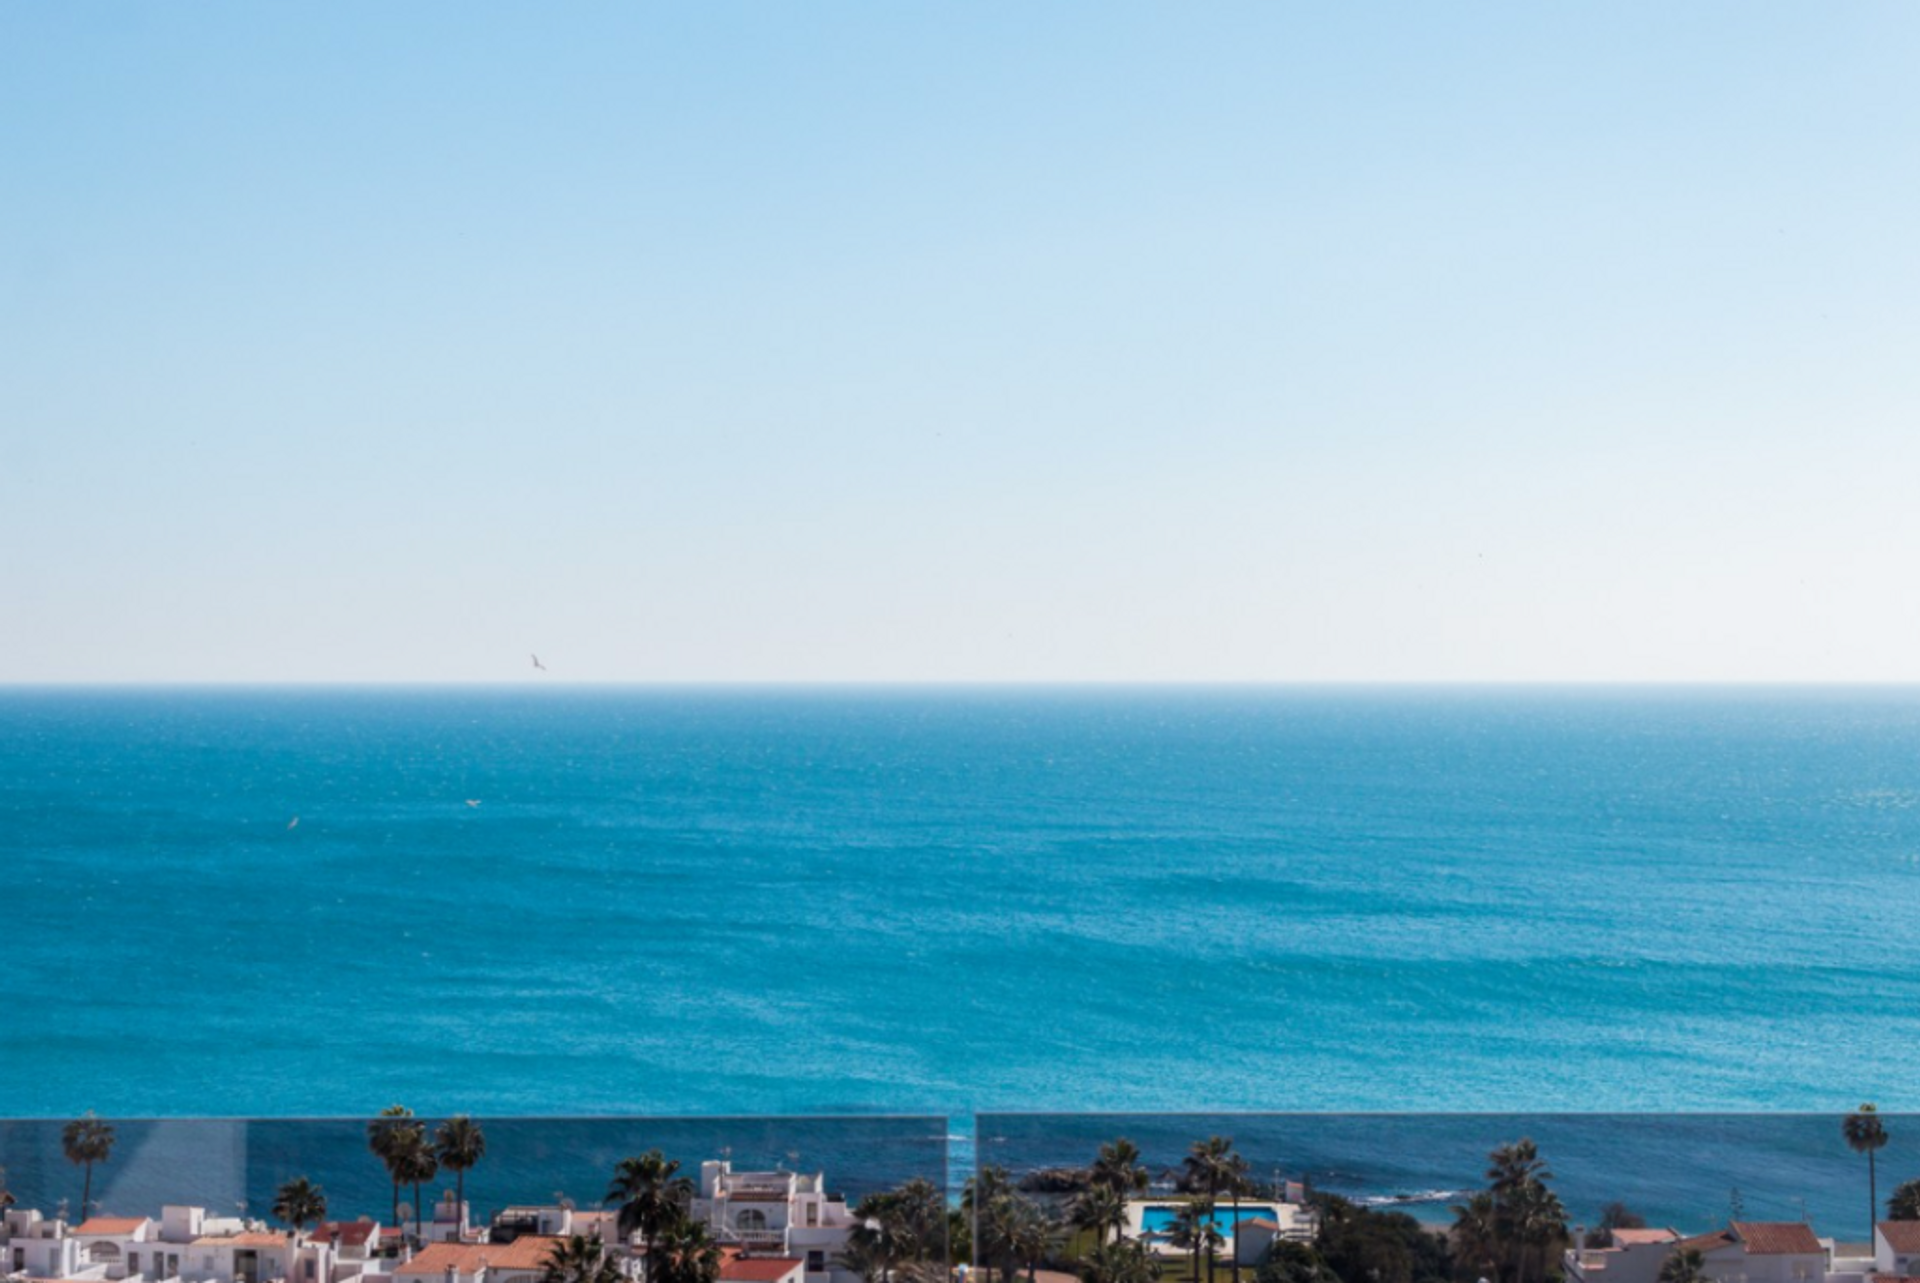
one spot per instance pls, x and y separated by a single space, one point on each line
1901 1236
1704 1242
759 1269
528 1252
1778 1238
346 1233
111 1225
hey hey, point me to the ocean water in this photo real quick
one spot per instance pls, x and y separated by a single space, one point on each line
757 901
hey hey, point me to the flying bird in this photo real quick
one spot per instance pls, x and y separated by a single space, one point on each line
294 823
473 801
537 664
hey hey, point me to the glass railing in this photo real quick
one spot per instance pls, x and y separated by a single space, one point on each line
490 1200
1107 1198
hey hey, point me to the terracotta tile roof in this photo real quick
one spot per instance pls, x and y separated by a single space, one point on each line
251 1238
1261 1223
346 1233
1704 1242
759 1269
529 1252
1635 1237
1892 1278
1901 1236
1778 1238
111 1225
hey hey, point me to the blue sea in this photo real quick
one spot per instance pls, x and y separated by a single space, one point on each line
941 901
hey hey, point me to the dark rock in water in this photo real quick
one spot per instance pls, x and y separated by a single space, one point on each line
1054 1180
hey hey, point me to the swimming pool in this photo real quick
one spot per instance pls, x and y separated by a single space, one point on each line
1158 1219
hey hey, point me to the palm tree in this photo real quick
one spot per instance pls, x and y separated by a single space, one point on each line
983 1201
1685 1266
460 1145
900 1226
1476 1233
1117 1263
1540 1225
1512 1166
1866 1134
1902 1205
579 1259
386 1137
1193 1229
1118 1167
1212 1168
86 1141
299 1202
687 1254
1029 1234
866 1256
6 1195
651 1197
1520 1221
418 1165
1100 1209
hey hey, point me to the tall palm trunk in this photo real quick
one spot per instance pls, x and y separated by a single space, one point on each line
1213 1201
86 1195
1872 1195
396 1205
1236 1232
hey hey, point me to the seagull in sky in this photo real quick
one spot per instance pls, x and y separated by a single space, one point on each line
537 664
294 823
473 801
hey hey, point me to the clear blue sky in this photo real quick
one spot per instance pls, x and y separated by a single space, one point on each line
960 342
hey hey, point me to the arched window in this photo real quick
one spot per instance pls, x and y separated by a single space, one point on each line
750 1218
98 1252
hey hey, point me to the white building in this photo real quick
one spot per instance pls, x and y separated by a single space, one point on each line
776 1214
554 1220
33 1246
1761 1252
1896 1249
1634 1256
183 1246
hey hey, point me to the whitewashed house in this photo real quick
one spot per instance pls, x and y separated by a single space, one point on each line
1761 1252
554 1220
36 1246
1896 1249
112 1245
1634 1256
777 1214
